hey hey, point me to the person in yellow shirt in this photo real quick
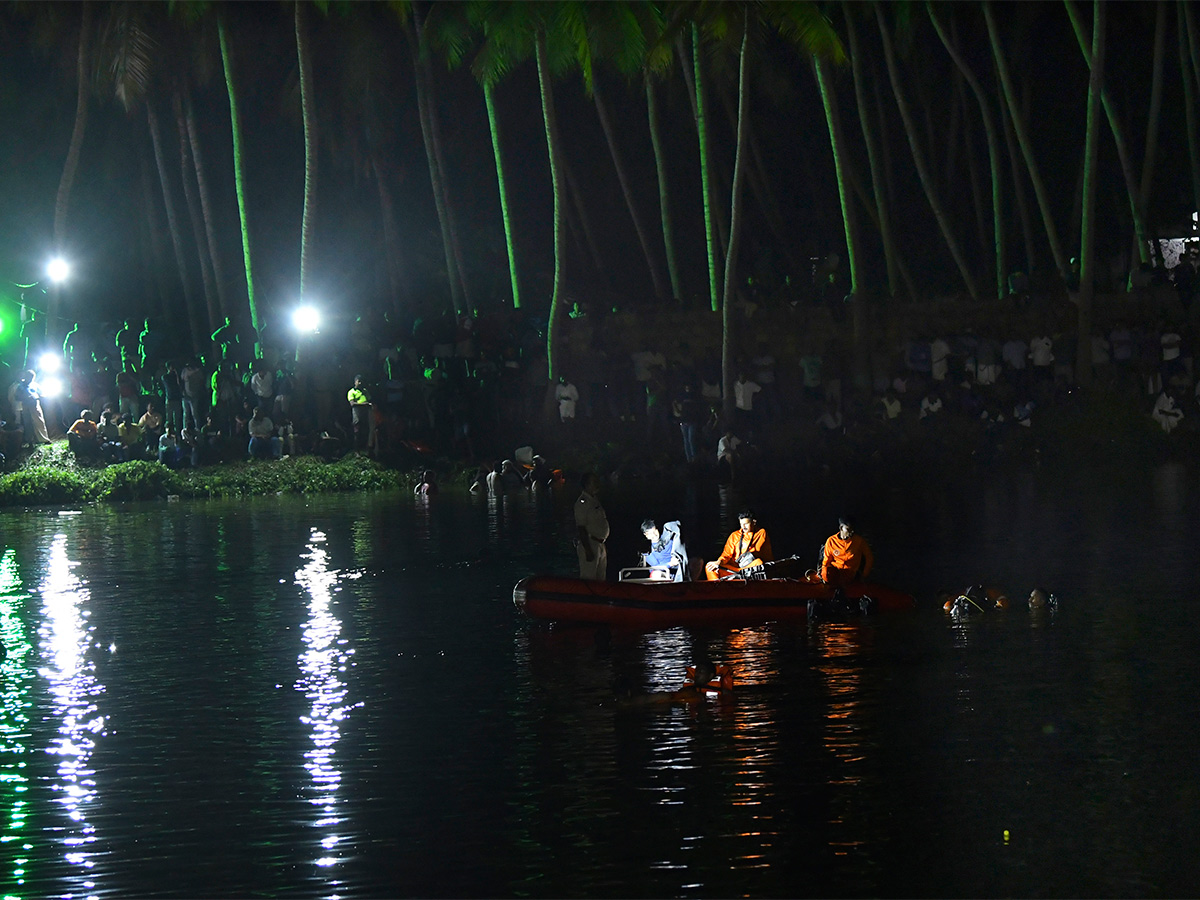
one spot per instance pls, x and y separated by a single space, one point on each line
360 412
746 547
846 556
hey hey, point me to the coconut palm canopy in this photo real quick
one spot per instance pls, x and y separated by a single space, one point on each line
407 214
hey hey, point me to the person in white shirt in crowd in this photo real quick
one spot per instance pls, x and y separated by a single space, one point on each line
567 396
1166 411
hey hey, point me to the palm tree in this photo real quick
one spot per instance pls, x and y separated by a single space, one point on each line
308 105
489 99
1087 272
919 157
206 206
735 226
430 132
616 33
664 196
195 323
553 142
235 120
1189 100
706 190
881 204
993 145
1026 145
1118 133
72 162
455 28
188 173
1154 108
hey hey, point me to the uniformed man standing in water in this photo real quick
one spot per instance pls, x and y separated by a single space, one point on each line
591 525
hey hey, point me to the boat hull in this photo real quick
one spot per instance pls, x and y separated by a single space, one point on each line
666 604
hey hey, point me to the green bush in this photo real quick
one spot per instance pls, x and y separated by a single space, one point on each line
41 484
134 480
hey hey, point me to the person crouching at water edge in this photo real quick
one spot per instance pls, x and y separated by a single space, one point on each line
846 556
591 526
746 547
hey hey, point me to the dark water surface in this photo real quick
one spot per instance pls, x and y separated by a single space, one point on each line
336 698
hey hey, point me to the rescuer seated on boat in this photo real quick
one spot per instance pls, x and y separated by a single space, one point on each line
667 558
846 556
748 546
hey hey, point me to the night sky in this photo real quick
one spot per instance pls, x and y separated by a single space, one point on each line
118 269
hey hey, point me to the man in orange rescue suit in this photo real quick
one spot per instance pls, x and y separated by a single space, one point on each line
846 556
748 546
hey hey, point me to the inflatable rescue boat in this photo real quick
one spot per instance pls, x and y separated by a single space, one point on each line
662 604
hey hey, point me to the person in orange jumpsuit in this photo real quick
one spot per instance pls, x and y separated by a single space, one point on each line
846 556
748 546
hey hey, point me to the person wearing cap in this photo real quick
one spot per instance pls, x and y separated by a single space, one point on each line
591 527
746 547
846 556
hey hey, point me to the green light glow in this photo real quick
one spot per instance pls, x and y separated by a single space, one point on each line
14 716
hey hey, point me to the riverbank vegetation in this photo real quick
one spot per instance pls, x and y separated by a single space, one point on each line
50 475
1105 427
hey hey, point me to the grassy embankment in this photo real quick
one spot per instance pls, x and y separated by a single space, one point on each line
50 475
1104 428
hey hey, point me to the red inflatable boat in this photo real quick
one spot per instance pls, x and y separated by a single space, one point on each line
663 604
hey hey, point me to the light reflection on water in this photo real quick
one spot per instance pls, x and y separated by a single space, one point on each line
323 662
15 839
66 636
500 756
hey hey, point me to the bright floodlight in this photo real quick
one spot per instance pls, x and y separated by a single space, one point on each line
51 387
49 363
57 269
306 318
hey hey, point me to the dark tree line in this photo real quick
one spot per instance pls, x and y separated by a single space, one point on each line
479 154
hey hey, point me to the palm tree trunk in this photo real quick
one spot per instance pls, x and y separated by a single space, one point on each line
978 202
214 253
735 230
1023 139
1087 272
156 258
705 176
643 236
993 144
1118 133
309 107
1014 157
1189 104
756 178
435 173
494 128
391 239
582 217
829 103
1154 110
188 174
919 158
881 204
71 166
664 203
857 304
192 309
553 329
235 121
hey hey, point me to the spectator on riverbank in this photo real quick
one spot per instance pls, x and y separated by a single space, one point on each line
261 432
